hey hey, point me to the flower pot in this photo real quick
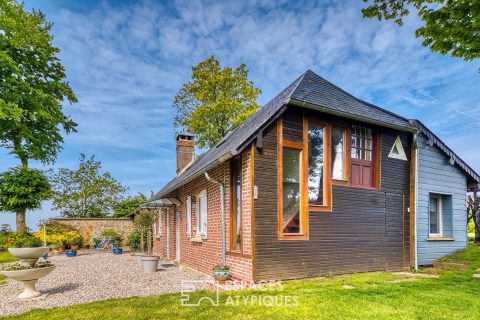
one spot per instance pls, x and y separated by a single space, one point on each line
28 253
75 247
71 253
61 249
118 251
138 257
29 277
221 275
150 264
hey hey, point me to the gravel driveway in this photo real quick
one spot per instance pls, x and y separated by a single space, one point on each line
94 276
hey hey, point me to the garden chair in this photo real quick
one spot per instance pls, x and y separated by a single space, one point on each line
96 242
104 244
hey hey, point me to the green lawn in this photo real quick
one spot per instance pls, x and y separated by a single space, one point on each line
5 257
453 296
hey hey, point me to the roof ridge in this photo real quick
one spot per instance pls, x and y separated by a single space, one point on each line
356 98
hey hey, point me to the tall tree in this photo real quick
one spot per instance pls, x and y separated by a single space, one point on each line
21 189
32 89
86 192
451 26
215 101
126 206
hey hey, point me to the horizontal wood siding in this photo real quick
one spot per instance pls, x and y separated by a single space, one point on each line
364 232
436 175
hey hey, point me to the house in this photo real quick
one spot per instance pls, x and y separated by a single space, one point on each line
315 182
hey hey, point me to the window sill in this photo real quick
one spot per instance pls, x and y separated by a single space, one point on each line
440 239
197 239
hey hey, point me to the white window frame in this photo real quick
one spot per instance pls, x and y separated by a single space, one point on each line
188 205
160 224
440 216
201 215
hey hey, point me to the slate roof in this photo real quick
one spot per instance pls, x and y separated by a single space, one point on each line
309 90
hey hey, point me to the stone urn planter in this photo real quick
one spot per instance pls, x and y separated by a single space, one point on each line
138 257
30 255
150 263
29 278
30 272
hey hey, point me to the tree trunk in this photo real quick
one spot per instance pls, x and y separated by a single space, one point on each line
142 245
21 221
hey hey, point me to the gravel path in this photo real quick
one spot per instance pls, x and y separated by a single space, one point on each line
94 276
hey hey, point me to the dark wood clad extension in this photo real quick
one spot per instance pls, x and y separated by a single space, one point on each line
367 230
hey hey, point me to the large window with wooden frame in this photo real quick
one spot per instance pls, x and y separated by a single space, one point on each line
328 154
338 154
236 212
293 221
317 165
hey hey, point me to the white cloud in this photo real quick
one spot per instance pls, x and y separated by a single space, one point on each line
126 62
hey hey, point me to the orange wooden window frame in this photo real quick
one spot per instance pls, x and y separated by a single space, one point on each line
327 171
303 235
346 155
233 207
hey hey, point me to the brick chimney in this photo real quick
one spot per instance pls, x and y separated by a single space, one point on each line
185 150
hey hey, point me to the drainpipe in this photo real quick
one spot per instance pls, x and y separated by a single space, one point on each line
415 145
222 211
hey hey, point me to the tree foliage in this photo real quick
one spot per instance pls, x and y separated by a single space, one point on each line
86 192
125 207
473 213
451 26
33 86
22 189
215 101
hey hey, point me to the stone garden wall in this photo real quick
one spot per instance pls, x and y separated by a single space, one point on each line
92 227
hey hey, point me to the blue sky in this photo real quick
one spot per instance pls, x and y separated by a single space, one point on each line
126 60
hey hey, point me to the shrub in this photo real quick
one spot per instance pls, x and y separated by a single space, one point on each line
71 238
21 240
133 241
114 235
59 234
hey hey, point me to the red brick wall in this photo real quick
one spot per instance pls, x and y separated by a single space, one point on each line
203 256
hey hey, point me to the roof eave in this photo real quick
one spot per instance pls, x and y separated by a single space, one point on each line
200 172
312 106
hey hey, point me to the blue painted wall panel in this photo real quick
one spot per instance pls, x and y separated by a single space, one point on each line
436 175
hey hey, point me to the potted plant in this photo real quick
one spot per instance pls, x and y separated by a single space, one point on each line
136 243
72 239
144 222
221 273
25 246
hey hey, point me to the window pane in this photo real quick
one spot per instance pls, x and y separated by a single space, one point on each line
237 224
291 191
338 135
315 164
434 215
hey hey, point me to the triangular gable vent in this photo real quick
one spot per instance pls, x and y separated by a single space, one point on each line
397 151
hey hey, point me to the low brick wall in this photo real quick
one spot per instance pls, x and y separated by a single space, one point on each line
92 227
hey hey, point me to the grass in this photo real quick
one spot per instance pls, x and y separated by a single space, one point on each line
452 296
5 257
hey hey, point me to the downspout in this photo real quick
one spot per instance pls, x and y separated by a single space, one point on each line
415 145
222 212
